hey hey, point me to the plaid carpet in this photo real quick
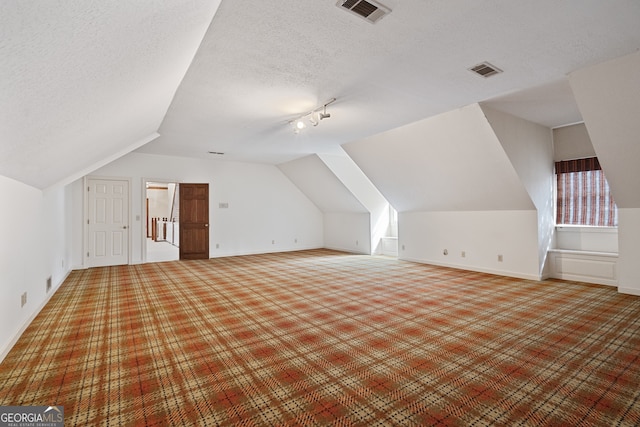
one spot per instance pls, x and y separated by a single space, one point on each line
319 337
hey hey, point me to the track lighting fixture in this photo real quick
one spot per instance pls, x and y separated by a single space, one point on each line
298 125
324 114
314 117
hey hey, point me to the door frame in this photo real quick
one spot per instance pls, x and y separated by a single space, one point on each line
143 207
85 215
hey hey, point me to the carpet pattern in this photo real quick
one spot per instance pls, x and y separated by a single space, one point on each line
325 338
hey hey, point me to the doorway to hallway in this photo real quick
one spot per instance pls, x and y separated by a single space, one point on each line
162 231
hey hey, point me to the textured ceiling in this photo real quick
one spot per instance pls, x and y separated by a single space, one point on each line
262 63
81 81
84 81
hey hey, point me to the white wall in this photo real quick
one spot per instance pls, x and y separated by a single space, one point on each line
349 232
57 233
266 212
314 178
423 237
449 162
572 142
346 219
629 251
530 149
590 239
77 223
608 96
33 247
159 204
363 189
456 188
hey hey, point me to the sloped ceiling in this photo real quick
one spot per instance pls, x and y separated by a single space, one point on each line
608 95
443 163
82 80
529 147
314 178
348 172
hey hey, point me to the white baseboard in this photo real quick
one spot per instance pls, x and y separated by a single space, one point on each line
476 269
273 251
629 291
5 351
347 250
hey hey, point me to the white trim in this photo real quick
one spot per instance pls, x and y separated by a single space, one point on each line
629 291
572 228
505 273
585 253
85 217
225 254
335 248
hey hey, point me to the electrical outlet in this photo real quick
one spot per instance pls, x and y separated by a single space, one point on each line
356 243
499 258
217 245
445 252
48 288
273 242
23 299
295 240
463 254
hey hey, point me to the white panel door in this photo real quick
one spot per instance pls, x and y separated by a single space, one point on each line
108 222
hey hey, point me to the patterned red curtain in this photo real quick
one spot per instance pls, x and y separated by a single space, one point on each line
583 194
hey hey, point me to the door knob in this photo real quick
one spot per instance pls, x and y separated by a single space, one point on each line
206 225
124 227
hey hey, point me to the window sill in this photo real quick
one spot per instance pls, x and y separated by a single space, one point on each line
580 252
570 228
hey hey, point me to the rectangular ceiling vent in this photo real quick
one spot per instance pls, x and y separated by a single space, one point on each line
485 70
370 10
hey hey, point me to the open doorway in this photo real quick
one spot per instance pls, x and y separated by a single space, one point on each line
162 221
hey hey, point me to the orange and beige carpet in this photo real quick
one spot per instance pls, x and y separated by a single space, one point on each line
325 338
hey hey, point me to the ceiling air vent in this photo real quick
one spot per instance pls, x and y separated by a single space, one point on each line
369 10
485 69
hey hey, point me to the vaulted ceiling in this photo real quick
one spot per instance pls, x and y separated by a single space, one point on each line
83 82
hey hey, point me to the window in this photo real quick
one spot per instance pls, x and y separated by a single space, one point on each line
583 195
393 222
